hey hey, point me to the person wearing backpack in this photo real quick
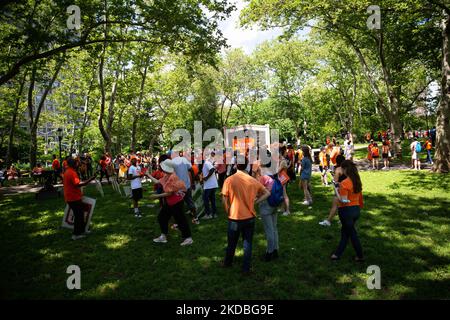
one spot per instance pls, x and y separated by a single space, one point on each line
416 148
375 156
268 209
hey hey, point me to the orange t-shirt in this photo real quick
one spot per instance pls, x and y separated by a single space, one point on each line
334 153
171 183
428 145
323 159
242 189
346 189
71 190
55 164
65 166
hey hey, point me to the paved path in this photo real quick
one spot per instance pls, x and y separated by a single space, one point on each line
26 188
362 164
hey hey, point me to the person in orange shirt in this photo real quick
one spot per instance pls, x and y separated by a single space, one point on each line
56 169
369 150
298 159
73 195
323 166
428 146
291 157
103 168
172 194
334 153
238 194
350 204
375 151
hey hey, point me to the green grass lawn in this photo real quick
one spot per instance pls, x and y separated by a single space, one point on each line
404 229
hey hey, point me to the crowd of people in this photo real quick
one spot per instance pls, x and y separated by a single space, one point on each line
244 183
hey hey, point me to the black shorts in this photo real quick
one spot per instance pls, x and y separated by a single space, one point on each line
385 155
137 194
375 157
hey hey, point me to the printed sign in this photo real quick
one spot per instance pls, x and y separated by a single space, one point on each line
88 210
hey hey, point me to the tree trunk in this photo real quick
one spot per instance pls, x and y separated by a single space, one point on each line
87 112
442 154
393 112
34 118
13 122
101 115
101 127
33 144
138 108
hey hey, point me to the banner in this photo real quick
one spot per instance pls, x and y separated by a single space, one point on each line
198 199
88 210
116 187
127 191
99 187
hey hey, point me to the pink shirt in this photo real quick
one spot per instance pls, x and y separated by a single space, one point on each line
267 182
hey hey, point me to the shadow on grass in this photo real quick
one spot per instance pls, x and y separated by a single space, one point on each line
120 261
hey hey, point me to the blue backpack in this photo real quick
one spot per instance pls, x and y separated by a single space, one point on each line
418 147
276 194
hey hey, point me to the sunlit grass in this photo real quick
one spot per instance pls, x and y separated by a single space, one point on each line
404 229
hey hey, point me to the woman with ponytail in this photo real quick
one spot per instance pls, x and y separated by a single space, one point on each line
350 204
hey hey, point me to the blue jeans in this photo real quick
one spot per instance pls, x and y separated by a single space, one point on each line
209 195
235 228
269 218
429 160
348 217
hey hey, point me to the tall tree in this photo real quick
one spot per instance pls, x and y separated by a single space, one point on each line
34 111
14 120
442 155
382 53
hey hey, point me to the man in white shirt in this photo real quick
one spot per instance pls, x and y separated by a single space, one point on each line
134 174
183 169
415 159
210 185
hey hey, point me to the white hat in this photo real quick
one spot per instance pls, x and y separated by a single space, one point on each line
167 166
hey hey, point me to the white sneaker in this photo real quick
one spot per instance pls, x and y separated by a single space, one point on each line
206 217
187 242
286 213
306 203
325 223
161 239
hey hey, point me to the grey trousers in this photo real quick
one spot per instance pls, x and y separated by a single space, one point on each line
269 218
